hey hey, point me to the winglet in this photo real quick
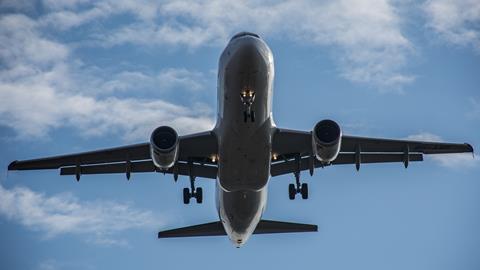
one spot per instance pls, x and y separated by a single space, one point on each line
12 166
470 149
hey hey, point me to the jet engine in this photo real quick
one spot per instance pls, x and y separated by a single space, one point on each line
327 137
164 147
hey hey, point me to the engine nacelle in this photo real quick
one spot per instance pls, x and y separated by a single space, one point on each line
164 147
327 137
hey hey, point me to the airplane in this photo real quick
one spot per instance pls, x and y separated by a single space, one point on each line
243 150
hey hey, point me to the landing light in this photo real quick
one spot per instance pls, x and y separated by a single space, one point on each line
247 93
274 156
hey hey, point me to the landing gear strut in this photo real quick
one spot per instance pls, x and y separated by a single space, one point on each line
294 189
248 114
248 97
193 192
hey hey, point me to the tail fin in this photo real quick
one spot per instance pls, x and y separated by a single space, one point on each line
216 228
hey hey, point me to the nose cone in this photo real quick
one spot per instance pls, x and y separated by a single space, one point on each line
247 47
246 51
244 34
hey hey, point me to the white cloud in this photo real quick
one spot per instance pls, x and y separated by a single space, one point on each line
21 44
42 88
65 214
456 21
365 36
54 264
17 5
372 47
66 14
453 161
34 113
166 79
425 136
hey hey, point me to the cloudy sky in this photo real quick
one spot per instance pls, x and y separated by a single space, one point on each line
77 75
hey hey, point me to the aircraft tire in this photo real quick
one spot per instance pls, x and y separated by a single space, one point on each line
291 192
304 191
199 195
186 196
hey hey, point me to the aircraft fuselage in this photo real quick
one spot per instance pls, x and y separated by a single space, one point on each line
245 68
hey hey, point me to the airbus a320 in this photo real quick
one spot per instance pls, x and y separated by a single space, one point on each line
243 151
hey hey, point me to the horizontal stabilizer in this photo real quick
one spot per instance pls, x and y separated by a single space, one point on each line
270 226
207 229
216 228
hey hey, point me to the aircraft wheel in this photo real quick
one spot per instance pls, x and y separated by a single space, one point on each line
252 116
245 116
199 195
291 191
304 191
186 196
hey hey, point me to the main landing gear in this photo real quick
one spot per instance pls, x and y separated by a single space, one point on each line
248 97
294 189
187 194
193 192
298 188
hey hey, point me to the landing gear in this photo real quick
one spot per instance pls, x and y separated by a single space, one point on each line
294 189
249 115
198 195
186 196
193 192
247 97
304 191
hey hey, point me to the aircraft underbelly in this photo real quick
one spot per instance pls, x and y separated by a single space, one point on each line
246 66
245 144
245 160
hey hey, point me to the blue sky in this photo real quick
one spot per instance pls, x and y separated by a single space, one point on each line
77 75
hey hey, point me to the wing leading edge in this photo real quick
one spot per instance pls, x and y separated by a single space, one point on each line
194 158
288 144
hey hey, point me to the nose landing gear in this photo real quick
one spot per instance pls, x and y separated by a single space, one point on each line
248 114
248 97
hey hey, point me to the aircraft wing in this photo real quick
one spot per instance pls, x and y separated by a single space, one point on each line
293 151
194 157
